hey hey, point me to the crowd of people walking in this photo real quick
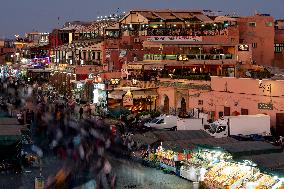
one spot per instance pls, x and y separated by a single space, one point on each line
60 127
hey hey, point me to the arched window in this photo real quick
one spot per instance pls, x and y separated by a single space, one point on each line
166 108
183 105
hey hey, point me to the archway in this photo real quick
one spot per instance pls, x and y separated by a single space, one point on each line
183 112
166 108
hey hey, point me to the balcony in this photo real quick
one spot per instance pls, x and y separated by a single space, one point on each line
186 32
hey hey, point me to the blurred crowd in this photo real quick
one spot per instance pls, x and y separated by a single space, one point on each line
58 130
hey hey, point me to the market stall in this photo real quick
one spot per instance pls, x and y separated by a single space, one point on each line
170 159
236 175
195 167
228 175
261 180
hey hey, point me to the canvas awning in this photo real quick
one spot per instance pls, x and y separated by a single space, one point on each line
273 163
246 148
145 139
116 94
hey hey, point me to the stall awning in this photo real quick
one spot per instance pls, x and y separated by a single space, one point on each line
116 94
144 94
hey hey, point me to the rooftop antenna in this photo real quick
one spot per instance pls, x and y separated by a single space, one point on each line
58 20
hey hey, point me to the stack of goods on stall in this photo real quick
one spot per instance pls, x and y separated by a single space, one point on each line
166 156
261 180
201 160
227 175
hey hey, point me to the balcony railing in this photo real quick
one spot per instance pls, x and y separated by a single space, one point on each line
187 57
204 77
186 32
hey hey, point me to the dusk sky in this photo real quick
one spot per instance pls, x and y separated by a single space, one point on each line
20 16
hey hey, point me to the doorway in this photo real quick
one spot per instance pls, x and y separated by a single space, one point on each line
227 111
280 124
244 111
166 108
183 112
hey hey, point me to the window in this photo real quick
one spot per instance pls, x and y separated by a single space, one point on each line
221 114
243 48
221 129
269 24
254 45
93 55
99 56
244 111
155 120
84 55
252 24
200 102
278 48
160 121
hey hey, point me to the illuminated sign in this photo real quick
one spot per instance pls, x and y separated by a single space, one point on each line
45 60
96 96
114 81
79 85
182 57
134 67
265 106
175 38
100 86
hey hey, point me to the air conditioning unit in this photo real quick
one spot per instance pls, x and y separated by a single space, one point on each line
136 40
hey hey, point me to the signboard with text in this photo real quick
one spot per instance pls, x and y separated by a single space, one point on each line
265 106
175 38
134 67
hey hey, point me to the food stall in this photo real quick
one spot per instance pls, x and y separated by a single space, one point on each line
166 158
236 175
200 161
228 175
170 157
261 180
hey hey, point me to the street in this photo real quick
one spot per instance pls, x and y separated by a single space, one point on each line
134 175
129 175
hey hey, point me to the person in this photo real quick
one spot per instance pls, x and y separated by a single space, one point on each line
281 140
20 118
89 110
81 111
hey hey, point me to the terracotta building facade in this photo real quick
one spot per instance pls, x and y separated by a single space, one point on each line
225 96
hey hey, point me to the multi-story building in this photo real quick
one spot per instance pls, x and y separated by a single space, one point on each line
258 31
184 43
279 44
38 38
162 45
7 50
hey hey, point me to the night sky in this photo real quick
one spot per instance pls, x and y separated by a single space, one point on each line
20 16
